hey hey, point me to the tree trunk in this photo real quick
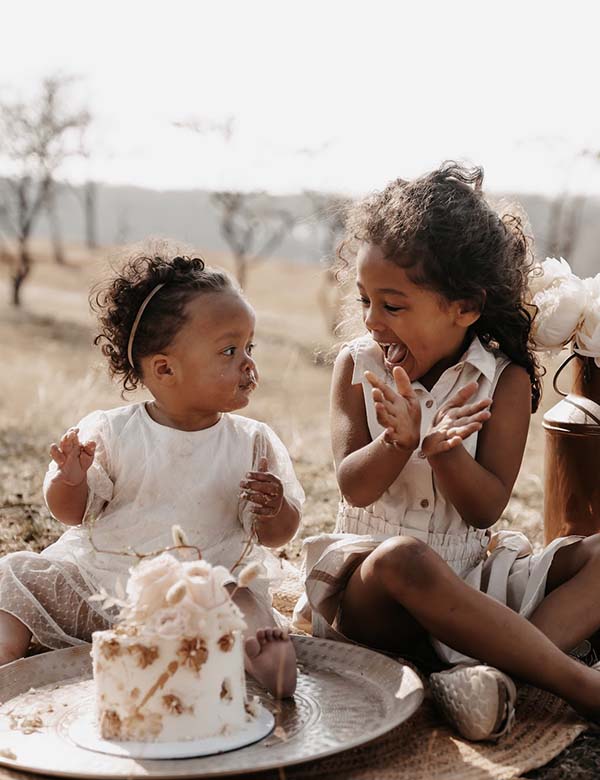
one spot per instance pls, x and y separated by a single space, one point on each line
90 215
241 269
59 254
21 272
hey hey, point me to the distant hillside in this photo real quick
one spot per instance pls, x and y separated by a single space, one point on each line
126 214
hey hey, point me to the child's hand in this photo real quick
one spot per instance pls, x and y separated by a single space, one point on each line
72 457
455 421
398 412
264 490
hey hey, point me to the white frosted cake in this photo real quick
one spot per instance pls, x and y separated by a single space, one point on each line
173 667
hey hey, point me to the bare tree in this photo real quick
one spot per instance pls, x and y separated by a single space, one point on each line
36 138
329 211
251 232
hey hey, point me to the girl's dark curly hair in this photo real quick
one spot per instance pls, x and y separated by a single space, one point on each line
118 299
441 229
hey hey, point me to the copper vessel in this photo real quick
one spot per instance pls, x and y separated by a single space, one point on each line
572 459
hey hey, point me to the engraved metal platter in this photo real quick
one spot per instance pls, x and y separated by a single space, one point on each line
346 696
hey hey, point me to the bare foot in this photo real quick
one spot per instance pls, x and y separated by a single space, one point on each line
271 660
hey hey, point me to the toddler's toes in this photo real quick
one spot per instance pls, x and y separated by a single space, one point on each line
271 660
252 647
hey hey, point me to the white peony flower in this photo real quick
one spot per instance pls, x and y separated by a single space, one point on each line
560 307
588 331
548 274
150 581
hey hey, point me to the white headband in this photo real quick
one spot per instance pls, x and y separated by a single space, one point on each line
136 322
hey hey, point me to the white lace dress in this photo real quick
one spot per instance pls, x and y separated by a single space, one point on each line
145 478
413 506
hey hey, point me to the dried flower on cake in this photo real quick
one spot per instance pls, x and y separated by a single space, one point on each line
226 642
145 655
110 648
193 653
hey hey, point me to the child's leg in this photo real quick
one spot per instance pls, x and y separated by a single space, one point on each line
404 576
269 653
14 638
571 610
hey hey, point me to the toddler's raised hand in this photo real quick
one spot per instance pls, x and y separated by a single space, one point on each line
398 412
455 421
72 457
264 490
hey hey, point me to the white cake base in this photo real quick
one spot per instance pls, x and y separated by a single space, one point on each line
84 733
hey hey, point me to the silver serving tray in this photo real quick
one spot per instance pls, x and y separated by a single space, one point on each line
346 696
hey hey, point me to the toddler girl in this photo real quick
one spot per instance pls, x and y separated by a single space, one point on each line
123 477
430 413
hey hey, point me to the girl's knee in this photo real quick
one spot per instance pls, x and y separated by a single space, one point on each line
591 545
403 562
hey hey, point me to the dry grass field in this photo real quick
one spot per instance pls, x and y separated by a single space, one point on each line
53 375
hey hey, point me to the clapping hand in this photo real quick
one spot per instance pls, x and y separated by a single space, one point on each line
455 421
263 490
397 411
72 457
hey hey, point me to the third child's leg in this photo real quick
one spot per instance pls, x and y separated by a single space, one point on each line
269 653
422 584
571 610
14 638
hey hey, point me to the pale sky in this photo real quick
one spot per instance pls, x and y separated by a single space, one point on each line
325 94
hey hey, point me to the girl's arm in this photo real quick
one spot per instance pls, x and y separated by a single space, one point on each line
480 487
67 491
67 502
365 468
277 530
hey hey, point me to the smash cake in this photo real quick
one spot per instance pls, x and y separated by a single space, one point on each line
172 669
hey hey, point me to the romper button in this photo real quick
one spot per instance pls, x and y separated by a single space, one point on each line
429 403
424 503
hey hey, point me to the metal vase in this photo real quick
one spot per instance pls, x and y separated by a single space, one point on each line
572 454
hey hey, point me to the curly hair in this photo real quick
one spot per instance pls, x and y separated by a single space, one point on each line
442 230
118 299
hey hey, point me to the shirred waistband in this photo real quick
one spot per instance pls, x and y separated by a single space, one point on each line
468 545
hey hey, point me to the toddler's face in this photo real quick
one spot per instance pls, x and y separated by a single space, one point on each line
414 326
211 354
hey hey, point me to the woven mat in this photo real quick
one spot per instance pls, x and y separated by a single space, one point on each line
424 747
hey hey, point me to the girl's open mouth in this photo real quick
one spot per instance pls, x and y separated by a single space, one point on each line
394 354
